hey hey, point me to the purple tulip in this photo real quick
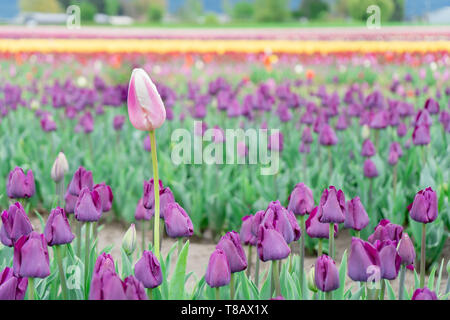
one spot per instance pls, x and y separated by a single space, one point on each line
423 118
218 272
165 198
392 158
70 202
20 185
385 230
15 224
149 193
342 122
57 230
230 243
246 234
106 196
389 259
276 142
304 148
282 220
301 200
326 274
104 262
107 285
368 149
47 124
332 206
118 122
317 229
424 208
421 135
327 136
88 206
379 120
141 213
178 224
31 256
355 215
424 294
406 250
363 260
81 179
148 270
12 287
134 289
432 106
87 122
271 244
395 146
306 135
370 170
402 130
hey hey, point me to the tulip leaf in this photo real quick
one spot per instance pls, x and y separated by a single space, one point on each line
198 289
439 279
243 281
357 294
431 278
127 269
339 293
390 290
176 286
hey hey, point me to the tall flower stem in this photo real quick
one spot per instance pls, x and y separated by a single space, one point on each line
217 293
358 234
30 288
330 162
423 256
232 286
319 248
257 271
156 188
276 278
62 276
150 293
86 252
59 186
331 242
383 289
401 287
143 235
249 259
78 232
394 180
302 254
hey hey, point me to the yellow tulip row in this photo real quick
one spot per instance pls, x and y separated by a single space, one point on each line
216 46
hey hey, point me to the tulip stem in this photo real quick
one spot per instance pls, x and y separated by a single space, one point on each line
329 295
302 254
249 259
330 162
423 256
257 270
58 255
401 287
156 189
30 288
383 289
394 181
276 278
331 242
232 287
150 293
60 192
358 234
217 293
86 255
319 248
78 227
143 235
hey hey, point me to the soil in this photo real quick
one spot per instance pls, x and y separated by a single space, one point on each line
201 248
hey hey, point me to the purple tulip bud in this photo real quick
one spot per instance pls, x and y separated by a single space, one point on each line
424 294
370 170
368 149
218 272
363 261
326 274
432 106
70 201
421 135
12 287
87 122
424 208
406 250
379 120
395 146
57 230
385 230
15 224
31 256
402 130
389 259
327 136
393 158
275 142
301 200
304 148
271 244
148 270
134 289
178 224
141 213
317 229
118 122
306 135
342 122
88 206
230 243
106 196
149 193
355 215
20 185
423 118
246 234
165 198
81 178
107 285
282 220
47 124
332 206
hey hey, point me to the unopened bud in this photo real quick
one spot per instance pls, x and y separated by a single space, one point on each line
60 167
311 281
365 132
129 240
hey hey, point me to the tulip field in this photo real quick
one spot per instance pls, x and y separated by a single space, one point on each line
269 148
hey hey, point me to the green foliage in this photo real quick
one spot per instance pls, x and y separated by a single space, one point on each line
313 9
190 11
399 10
112 7
243 10
87 11
271 10
155 13
358 9
211 19
50 6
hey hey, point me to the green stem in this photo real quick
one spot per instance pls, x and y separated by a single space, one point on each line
217 293
329 295
150 293
302 255
423 256
78 232
232 287
319 249
358 234
180 246
383 289
30 288
394 181
58 255
143 235
331 241
330 162
156 188
276 278
249 259
401 288
257 271
86 253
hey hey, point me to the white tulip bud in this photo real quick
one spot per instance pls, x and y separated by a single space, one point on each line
60 167
129 240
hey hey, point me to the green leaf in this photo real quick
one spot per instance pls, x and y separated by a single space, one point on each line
127 269
357 294
176 289
390 290
431 278
339 293
438 283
